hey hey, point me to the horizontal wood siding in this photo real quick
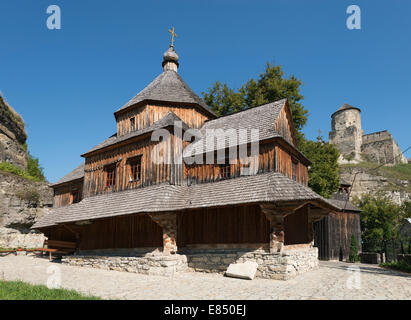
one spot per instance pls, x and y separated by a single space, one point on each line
246 224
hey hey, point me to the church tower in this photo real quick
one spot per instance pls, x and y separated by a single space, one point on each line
346 133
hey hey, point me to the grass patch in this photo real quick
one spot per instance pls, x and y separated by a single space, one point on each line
399 265
18 290
397 172
10 168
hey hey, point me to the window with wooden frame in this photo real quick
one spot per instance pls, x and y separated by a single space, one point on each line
294 169
110 175
134 169
75 196
132 123
225 170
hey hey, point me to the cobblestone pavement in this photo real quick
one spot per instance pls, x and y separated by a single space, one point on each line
333 280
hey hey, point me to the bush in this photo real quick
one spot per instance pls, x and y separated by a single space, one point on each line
11 168
399 265
34 169
353 257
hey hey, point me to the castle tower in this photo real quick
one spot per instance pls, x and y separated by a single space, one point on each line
346 133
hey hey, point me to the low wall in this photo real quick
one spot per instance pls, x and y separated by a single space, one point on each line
150 264
372 257
280 266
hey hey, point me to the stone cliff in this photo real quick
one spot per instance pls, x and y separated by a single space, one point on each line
390 180
21 200
12 136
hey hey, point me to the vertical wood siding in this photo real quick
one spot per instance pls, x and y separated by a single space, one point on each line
296 227
146 115
332 235
62 195
245 224
135 231
151 171
283 125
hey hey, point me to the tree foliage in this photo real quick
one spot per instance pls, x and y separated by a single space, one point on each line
353 256
381 217
324 171
33 167
270 86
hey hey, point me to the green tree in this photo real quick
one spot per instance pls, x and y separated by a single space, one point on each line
270 86
353 256
380 219
33 167
324 171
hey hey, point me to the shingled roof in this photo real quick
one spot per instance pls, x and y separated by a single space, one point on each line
344 205
168 120
262 188
77 173
169 87
344 107
262 118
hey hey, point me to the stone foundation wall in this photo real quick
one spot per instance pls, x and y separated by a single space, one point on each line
149 264
280 266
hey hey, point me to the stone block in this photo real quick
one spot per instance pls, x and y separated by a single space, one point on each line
246 270
370 257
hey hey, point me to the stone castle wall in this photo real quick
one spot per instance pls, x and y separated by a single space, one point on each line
381 147
280 266
347 134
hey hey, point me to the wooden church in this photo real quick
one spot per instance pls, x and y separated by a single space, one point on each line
136 196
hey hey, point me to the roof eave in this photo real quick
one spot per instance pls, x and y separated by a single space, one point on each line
66 182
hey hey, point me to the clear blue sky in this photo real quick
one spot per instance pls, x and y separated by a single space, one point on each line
67 83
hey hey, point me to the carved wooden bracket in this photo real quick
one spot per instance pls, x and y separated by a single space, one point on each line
276 217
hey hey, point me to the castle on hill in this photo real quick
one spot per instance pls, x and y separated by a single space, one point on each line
355 146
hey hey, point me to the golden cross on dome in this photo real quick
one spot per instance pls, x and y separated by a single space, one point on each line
173 34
